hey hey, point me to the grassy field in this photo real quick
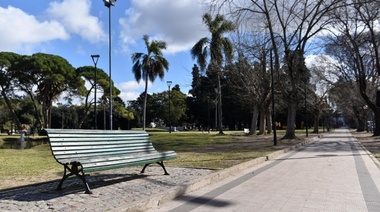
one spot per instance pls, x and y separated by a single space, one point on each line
194 149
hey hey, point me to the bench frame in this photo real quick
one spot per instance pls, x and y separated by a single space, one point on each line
76 168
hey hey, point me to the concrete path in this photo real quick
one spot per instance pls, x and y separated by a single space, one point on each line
331 174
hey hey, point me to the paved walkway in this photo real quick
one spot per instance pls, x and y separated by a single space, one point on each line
331 174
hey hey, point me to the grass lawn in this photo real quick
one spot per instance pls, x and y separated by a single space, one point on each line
194 149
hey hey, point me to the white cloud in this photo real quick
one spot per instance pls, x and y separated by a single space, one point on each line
178 23
75 16
21 31
322 65
131 90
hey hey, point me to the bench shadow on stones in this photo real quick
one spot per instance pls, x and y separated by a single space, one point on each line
73 185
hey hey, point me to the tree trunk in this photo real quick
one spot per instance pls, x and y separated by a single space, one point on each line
37 112
376 130
252 130
86 111
263 115
269 123
145 99
291 120
220 115
45 115
360 127
316 122
262 124
9 105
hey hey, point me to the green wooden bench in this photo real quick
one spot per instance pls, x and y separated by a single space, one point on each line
83 151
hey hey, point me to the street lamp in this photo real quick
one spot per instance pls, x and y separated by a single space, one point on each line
169 83
273 112
306 125
95 58
208 114
109 3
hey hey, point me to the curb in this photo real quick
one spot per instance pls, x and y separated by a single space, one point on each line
178 191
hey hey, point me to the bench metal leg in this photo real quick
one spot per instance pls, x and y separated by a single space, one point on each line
159 163
74 170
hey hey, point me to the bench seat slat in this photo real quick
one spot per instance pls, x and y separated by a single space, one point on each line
90 163
86 138
100 142
91 147
97 159
121 164
60 157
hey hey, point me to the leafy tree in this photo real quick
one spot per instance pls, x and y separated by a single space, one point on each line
344 95
136 106
178 106
203 92
52 75
88 73
65 116
121 112
149 66
218 49
7 83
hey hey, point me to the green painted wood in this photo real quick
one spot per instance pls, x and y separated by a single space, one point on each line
98 150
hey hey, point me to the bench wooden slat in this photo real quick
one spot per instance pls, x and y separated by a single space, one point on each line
93 162
101 145
101 137
98 141
65 155
89 148
156 155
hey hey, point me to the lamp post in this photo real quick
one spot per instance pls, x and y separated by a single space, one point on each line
306 125
169 83
109 3
273 112
208 114
95 58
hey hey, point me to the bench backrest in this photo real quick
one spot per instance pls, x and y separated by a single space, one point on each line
68 144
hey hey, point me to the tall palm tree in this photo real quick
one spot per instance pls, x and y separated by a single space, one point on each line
218 49
148 66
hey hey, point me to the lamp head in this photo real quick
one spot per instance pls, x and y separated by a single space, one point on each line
95 58
109 3
169 83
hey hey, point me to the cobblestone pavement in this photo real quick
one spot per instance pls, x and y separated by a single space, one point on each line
112 190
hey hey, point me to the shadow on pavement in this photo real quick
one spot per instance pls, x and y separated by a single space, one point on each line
204 201
319 156
72 185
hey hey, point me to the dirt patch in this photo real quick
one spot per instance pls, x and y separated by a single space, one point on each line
370 142
27 180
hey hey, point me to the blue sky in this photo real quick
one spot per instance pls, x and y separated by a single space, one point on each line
75 29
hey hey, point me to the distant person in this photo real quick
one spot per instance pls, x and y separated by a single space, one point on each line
22 136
